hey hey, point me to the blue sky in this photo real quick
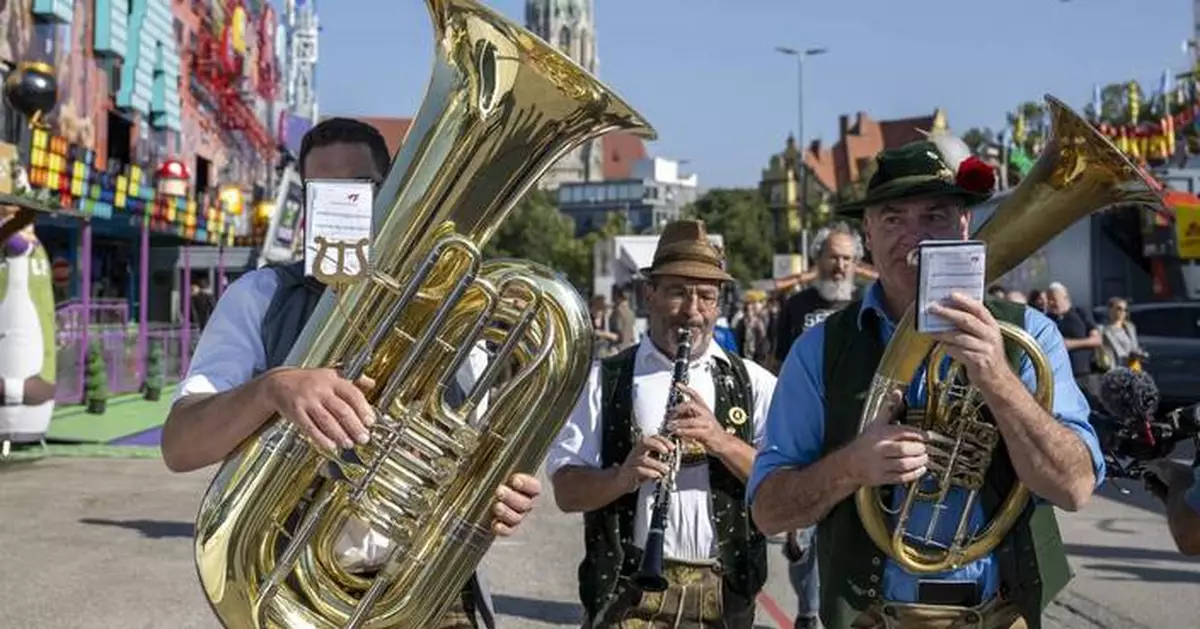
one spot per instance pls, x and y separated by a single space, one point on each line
706 75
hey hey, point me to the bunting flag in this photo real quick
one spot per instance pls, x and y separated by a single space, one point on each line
1153 126
1020 160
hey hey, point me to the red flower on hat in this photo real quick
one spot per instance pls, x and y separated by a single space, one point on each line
974 175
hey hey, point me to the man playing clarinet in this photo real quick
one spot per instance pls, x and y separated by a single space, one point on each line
615 449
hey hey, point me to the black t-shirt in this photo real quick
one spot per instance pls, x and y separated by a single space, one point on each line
1077 323
802 311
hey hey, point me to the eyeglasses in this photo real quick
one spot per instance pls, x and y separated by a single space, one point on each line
705 296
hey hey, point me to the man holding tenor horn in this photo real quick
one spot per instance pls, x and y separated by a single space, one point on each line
668 545
815 458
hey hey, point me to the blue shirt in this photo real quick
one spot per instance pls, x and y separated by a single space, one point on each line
726 339
795 434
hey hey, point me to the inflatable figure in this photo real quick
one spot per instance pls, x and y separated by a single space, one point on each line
27 339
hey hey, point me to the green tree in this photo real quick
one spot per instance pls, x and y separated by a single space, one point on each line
95 381
537 231
977 139
154 371
1114 108
741 216
857 189
1037 125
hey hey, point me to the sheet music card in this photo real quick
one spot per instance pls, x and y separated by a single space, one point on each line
945 267
337 229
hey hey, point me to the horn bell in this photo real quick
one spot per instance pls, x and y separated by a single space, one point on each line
502 106
1078 173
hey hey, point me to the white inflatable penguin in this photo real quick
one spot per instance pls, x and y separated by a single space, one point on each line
27 343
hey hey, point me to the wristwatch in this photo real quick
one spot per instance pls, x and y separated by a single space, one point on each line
14 391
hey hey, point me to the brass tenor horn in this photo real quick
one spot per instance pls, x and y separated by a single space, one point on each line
501 108
1078 173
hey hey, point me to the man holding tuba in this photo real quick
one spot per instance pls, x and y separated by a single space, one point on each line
815 458
237 379
606 462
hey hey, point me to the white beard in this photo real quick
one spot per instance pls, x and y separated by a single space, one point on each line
835 291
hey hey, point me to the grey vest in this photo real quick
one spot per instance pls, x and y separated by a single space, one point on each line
295 298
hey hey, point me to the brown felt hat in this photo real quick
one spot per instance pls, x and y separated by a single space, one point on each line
684 250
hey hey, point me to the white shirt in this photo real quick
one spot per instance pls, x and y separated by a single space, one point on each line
231 353
689 533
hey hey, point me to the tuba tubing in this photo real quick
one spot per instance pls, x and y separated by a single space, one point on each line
1078 173
501 107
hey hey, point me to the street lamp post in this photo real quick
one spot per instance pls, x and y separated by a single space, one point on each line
800 56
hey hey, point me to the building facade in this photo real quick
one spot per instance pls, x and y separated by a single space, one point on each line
780 186
163 138
570 25
655 193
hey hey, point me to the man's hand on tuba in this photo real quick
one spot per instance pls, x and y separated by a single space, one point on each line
329 409
886 453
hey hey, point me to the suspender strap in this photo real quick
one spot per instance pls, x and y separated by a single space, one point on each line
483 601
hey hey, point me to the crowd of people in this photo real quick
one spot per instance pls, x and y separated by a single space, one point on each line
758 450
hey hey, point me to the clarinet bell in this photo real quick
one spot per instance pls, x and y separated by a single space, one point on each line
649 577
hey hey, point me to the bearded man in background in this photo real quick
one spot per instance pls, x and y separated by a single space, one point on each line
837 250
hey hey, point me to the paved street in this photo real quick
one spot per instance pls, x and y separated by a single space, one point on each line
100 543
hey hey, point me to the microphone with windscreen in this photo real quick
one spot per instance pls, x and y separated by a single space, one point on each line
1127 394
1128 427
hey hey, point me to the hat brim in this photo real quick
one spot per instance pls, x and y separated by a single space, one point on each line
933 187
689 269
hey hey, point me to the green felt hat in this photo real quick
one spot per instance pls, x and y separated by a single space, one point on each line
918 170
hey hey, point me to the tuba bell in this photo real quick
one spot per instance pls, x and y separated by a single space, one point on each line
501 107
1078 173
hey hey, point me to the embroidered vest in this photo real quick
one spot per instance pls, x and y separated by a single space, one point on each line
611 555
296 296
1031 559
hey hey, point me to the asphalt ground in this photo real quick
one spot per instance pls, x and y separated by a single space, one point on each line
98 543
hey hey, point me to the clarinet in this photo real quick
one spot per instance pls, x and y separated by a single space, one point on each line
649 577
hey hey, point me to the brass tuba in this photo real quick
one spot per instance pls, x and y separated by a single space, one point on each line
502 107
1079 172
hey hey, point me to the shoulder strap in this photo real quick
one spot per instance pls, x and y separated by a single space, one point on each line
295 298
483 601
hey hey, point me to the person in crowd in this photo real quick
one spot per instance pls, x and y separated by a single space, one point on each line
1037 300
609 458
237 379
605 339
203 302
623 321
998 292
815 457
1081 335
1119 336
753 329
837 250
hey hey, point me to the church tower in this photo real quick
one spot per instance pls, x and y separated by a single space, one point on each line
570 25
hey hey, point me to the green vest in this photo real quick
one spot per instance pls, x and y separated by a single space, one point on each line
611 556
1031 560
